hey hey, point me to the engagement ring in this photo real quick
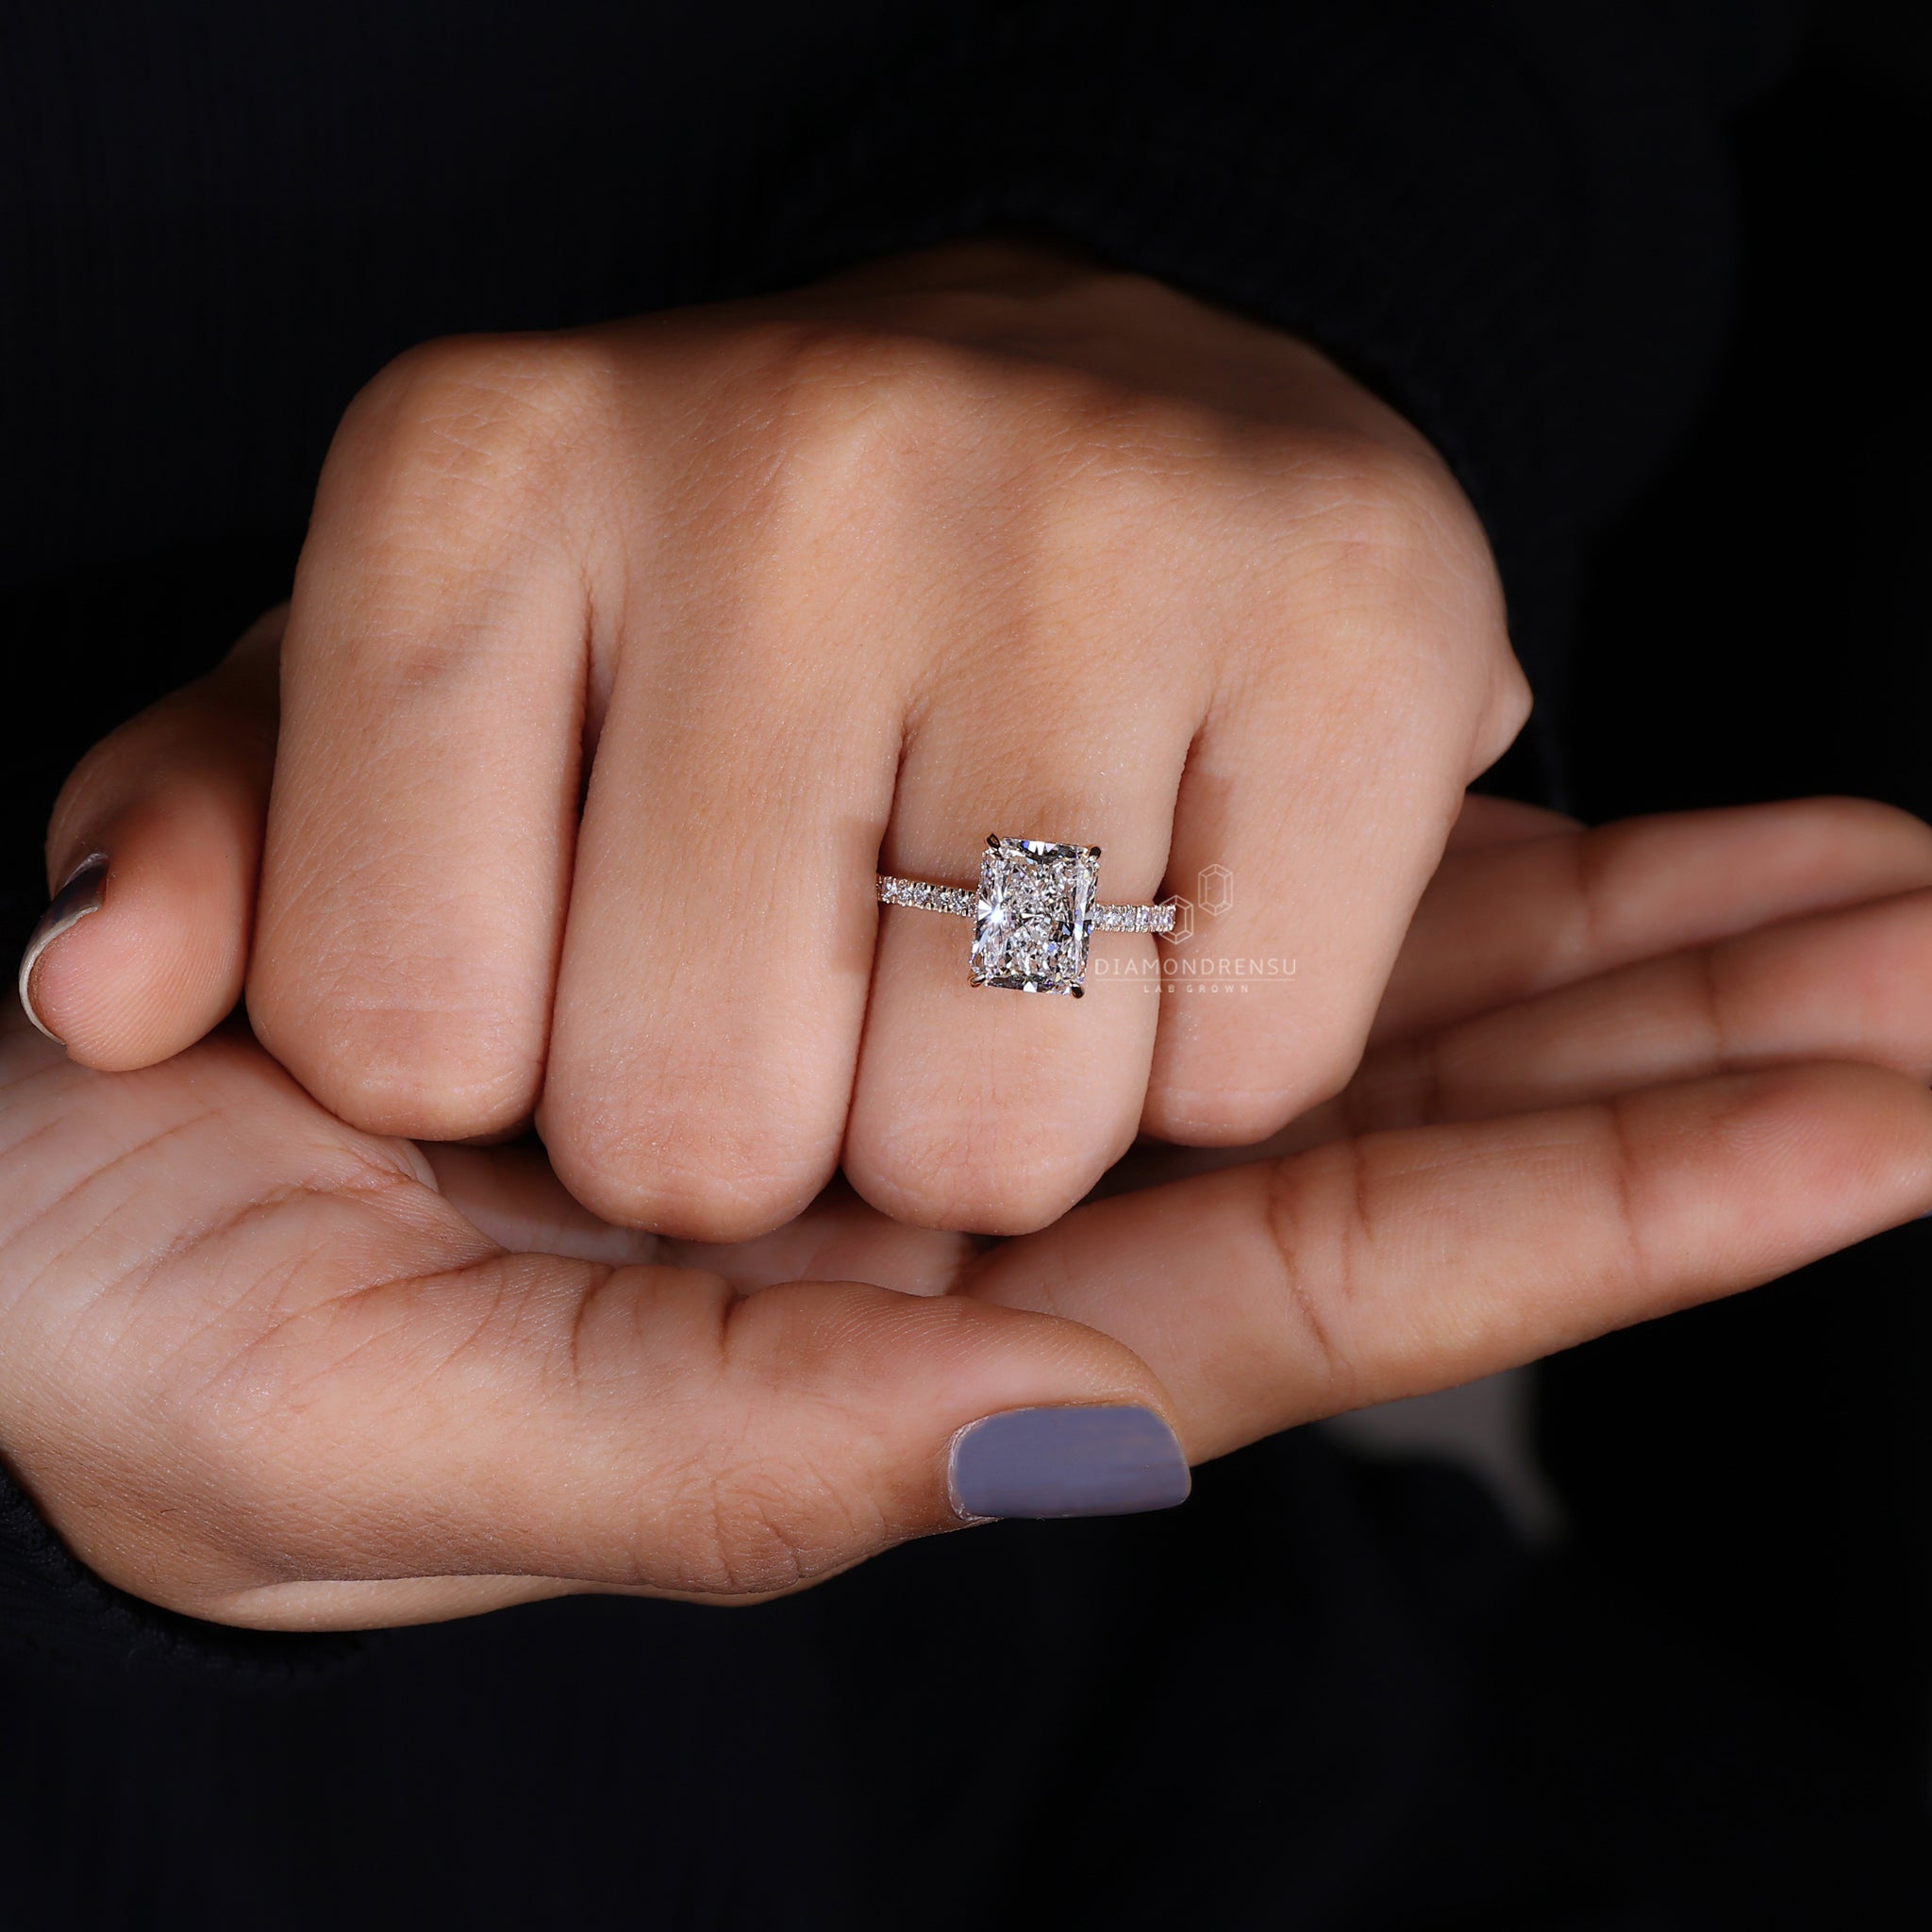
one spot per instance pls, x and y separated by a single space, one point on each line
1032 913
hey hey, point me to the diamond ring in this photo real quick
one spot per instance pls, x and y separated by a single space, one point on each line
1032 913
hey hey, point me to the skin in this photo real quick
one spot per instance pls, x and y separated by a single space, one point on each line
986 538
266 1367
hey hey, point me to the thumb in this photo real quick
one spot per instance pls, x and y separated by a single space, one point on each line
154 849
648 1429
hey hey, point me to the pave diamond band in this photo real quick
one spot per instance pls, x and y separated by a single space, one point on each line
1130 919
953 899
1033 913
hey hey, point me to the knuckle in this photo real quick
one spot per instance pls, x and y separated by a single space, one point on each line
515 384
423 1094
1369 511
1217 1115
1511 698
419 1068
1331 1063
465 420
1503 711
1391 569
1002 1190
845 398
1139 474
1371 503
728 1177
859 408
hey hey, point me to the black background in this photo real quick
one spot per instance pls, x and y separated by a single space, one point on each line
1757 627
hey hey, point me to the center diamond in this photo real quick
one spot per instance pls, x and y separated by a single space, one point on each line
1030 918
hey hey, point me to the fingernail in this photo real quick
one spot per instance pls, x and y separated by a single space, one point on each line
1113 1461
85 887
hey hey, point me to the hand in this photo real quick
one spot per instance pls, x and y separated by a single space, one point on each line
256 1366
987 540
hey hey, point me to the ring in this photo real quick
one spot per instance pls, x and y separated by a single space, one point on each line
1032 913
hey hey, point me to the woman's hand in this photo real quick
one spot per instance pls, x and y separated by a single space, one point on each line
986 540
260 1366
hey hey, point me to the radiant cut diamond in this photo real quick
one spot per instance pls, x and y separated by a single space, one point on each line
1033 914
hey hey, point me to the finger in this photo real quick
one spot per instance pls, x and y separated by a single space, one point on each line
1504 921
333 1381
1837 986
719 949
982 1106
420 836
1318 799
155 842
1273 1293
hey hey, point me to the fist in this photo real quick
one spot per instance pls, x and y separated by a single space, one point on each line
621 660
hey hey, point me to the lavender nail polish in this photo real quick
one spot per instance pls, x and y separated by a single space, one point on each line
85 889
1113 1462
